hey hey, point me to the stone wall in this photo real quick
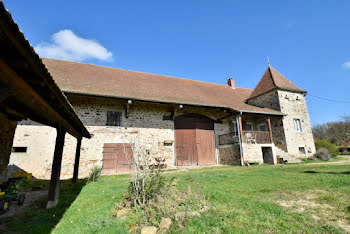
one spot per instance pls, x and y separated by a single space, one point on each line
252 153
293 105
268 100
144 126
7 131
230 155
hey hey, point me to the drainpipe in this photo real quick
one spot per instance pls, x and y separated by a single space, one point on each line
239 137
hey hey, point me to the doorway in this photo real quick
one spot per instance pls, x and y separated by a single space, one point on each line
194 140
267 155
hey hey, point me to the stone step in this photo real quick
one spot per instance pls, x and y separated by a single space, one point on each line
286 156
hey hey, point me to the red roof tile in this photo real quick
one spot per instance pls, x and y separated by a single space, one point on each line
98 80
272 79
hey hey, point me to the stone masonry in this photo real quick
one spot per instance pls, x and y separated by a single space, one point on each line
144 126
285 138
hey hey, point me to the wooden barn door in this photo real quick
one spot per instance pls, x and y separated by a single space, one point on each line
116 159
194 141
205 143
185 143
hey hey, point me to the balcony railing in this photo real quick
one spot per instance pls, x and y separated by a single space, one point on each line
256 137
228 138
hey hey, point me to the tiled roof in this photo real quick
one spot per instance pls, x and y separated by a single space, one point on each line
272 79
73 77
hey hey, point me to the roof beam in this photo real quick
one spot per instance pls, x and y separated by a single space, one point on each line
31 100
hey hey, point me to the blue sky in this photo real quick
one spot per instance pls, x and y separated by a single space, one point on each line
307 41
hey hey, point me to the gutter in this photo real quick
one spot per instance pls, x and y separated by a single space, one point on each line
239 137
264 113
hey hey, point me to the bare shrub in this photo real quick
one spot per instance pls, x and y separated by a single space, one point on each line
323 154
151 195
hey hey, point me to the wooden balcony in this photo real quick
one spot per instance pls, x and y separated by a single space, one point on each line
256 137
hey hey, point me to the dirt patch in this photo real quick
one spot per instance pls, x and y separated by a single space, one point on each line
308 205
344 225
303 204
31 198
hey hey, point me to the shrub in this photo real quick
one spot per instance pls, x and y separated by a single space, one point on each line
94 174
164 200
323 154
323 143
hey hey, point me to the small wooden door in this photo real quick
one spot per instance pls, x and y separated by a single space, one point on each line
194 141
117 158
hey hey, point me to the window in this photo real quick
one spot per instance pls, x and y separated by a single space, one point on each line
114 118
262 127
301 150
297 125
19 149
250 126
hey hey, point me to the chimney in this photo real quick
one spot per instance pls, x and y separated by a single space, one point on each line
231 83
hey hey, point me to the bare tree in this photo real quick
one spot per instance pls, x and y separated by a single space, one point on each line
337 132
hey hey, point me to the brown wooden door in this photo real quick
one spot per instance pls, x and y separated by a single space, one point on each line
185 146
117 159
194 141
205 140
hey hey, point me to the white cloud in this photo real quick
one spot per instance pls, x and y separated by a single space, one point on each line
68 46
346 65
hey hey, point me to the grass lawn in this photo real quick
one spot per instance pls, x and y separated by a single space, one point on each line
301 198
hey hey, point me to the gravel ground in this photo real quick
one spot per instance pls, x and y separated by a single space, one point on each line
31 197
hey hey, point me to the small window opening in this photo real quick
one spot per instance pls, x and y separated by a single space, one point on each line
301 150
297 125
19 149
114 118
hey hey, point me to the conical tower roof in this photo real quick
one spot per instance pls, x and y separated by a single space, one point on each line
271 80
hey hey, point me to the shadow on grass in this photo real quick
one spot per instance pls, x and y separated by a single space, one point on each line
38 219
328 172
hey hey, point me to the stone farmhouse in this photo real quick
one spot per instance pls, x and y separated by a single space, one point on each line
191 123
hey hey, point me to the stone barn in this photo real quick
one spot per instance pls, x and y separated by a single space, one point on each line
190 123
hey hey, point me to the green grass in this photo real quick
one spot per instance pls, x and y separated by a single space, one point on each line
334 159
242 200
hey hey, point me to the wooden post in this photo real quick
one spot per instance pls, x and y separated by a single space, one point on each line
54 188
240 127
76 163
269 126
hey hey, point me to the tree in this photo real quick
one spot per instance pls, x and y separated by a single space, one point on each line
337 132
